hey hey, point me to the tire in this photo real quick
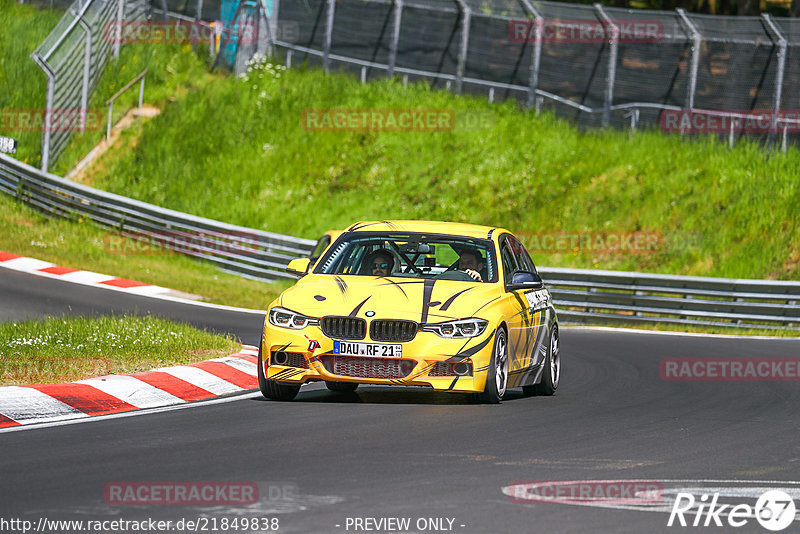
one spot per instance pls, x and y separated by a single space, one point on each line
497 376
551 375
341 387
272 389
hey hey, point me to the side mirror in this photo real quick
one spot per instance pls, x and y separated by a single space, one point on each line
298 266
525 280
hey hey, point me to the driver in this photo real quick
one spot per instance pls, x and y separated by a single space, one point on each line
471 262
380 262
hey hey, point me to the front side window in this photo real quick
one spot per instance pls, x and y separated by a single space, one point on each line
410 255
524 261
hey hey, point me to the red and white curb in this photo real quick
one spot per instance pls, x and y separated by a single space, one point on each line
51 270
166 386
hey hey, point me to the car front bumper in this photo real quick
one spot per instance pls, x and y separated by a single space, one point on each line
428 360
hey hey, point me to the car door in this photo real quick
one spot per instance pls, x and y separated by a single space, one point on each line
517 320
528 323
536 300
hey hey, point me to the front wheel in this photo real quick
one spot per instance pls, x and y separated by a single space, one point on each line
552 369
497 376
272 389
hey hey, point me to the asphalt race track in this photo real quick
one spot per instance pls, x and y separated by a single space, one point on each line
411 453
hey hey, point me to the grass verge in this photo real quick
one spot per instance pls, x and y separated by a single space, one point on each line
85 246
67 349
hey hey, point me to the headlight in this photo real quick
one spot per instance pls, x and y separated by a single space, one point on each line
458 329
289 319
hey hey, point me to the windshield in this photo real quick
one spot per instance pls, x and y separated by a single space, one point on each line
411 255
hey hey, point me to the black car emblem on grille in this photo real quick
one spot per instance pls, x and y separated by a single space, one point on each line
370 313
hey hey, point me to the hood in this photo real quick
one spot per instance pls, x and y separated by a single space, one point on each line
422 301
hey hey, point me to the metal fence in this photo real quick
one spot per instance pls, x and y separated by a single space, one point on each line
580 295
72 57
743 69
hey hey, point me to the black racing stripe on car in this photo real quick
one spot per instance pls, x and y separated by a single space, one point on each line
281 349
481 369
466 342
472 350
526 321
283 374
540 336
355 228
522 304
484 305
453 383
489 235
391 225
342 284
453 297
395 284
434 304
355 311
530 374
427 290
319 297
442 316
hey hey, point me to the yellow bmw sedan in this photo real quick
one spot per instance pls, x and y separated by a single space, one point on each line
449 306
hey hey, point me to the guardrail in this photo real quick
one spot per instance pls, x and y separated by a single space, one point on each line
581 295
245 251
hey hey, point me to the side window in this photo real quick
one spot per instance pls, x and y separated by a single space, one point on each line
523 258
320 247
509 263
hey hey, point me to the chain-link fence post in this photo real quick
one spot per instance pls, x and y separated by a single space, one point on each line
398 17
466 18
697 41
536 54
87 63
776 33
51 86
611 73
118 30
272 21
328 35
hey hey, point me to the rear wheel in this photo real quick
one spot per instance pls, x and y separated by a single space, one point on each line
497 377
341 387
552 369
272 389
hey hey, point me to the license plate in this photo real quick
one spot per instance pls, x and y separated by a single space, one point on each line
375 350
